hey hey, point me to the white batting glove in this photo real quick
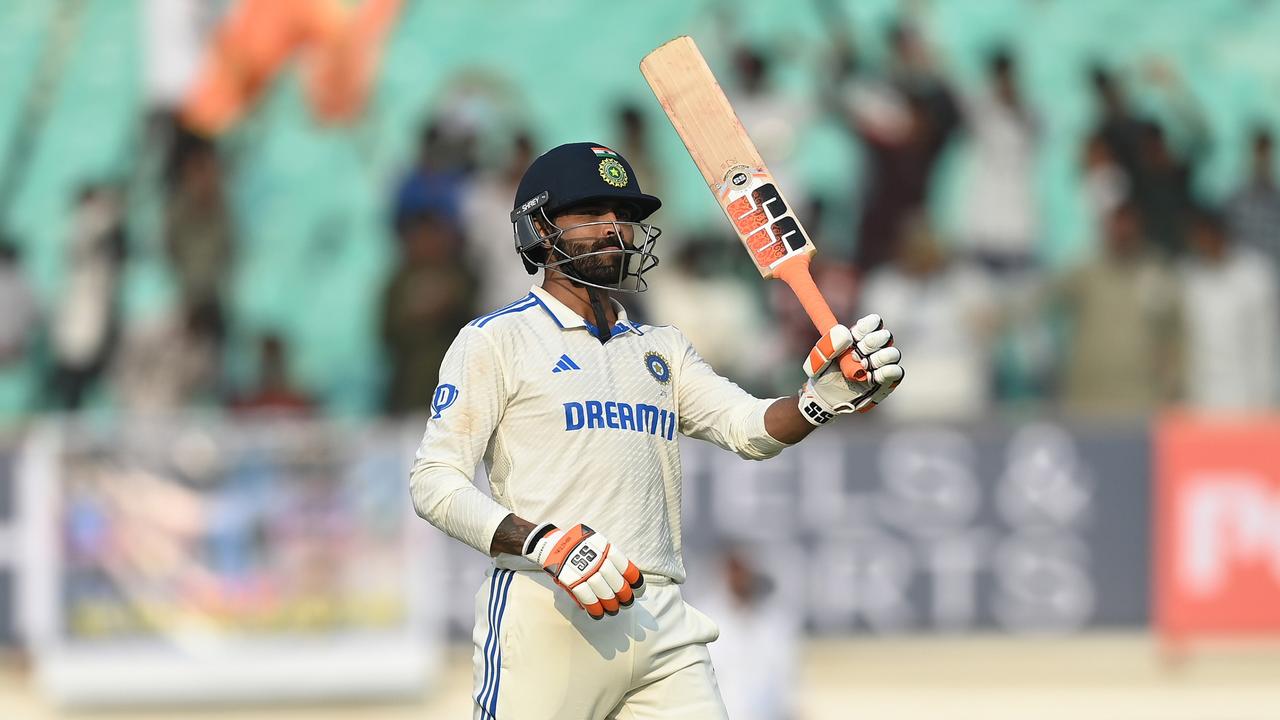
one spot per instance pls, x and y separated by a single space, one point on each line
827 393
582 561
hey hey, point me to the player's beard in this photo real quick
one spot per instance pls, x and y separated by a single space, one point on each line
604 268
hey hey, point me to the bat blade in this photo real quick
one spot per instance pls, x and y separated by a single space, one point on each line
734 171
724 154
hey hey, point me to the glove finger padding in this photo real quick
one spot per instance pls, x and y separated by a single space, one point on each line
603 593
633 581
864 337
866 325
611 577
579 560
889 375
587 600
887 379
827 393
881 358
874 341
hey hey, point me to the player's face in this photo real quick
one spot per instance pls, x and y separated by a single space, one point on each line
597 248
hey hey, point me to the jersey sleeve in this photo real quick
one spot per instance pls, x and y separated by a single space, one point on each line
713 408
466 407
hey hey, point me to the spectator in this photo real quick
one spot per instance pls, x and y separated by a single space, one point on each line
904 129
943 316
1253 212
173 363
635 146
1104 181
430 295
199 233
773 118
1161 175
20 315
1124 347
1163 191
914 72
1118 126
1232 289
435 183
757 652
86 322
633 134
487 203
276 392
1000 219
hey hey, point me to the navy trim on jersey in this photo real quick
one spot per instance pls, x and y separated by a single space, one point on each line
499 586
620 328
544 307
500 313
509 307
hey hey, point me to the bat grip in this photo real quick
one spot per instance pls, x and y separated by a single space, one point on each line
795 273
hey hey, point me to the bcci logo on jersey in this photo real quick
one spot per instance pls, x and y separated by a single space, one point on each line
657 366
637 417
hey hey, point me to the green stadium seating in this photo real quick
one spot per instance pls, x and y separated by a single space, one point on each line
312 201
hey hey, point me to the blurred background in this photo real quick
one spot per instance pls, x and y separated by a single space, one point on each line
237 236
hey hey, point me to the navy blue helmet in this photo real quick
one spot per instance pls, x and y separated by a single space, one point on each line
582 174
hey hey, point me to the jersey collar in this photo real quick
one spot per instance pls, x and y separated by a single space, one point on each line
567 319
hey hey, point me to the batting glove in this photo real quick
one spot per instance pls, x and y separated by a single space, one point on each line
582 561
827 393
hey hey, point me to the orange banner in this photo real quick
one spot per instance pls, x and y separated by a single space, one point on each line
1217 527
340 48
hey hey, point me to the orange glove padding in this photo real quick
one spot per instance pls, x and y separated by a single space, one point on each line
594 572
827 393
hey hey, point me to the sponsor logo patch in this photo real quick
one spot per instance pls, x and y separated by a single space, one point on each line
614 415
444 396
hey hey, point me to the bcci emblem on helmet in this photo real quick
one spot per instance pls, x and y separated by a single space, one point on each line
579 174
612 172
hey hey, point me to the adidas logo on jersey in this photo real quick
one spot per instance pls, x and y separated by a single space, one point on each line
565 365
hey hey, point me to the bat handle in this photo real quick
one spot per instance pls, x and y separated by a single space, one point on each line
795 273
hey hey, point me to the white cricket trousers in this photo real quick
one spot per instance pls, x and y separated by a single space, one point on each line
538 656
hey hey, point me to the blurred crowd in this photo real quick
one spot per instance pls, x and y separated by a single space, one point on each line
1174 304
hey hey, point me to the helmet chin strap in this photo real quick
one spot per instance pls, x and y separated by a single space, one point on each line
603 329
596 297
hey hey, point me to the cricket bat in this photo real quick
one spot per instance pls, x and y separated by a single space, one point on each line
733 170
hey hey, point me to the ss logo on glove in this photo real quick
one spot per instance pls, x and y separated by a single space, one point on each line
584 557
569 556
817 414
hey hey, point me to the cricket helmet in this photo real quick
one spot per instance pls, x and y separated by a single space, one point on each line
577 174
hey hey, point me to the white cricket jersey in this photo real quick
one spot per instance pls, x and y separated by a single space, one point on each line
572 430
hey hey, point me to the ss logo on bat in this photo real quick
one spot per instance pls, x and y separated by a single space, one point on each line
764 207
